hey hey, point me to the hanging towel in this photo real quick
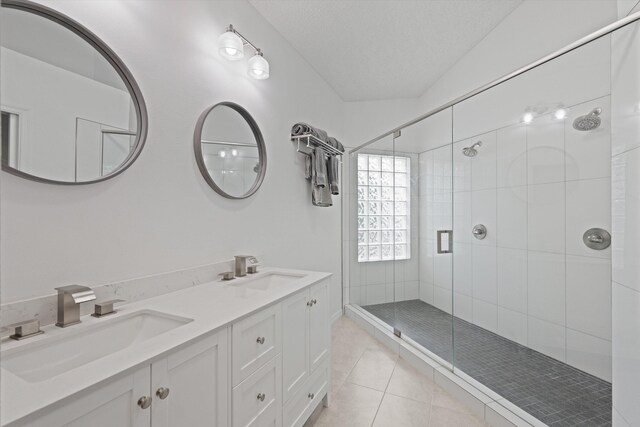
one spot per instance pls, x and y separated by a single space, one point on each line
319 168
305 129
307 168
321 196
335 143
333 168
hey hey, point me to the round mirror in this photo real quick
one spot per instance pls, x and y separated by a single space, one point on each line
230 150
71 111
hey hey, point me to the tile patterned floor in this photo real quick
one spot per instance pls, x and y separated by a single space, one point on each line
553 392
371 386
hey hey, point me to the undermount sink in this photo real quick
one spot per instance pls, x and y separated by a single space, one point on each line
265 282
76 347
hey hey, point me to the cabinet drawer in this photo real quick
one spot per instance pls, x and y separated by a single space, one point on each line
257 400
302 404
255 340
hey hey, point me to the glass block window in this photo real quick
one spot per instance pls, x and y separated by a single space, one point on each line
383 208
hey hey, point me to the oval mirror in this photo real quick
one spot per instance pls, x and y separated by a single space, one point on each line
71 111
230 150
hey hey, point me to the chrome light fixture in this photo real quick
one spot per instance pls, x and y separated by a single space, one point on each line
231 46
258 66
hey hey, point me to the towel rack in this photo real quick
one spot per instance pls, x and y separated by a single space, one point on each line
307 142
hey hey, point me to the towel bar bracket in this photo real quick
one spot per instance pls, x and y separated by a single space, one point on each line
306 143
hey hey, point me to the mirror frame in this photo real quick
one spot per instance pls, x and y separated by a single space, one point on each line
117 64
262 152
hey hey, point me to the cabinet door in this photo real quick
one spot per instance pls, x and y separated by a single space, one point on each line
108 405
319 331
295 343
196 379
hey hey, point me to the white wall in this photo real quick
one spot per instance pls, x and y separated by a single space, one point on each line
625 97
534 29
160 215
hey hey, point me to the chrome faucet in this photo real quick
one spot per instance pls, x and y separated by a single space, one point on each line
241 264
69 300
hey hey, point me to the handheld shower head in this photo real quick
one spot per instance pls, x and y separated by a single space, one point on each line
472 151
589 121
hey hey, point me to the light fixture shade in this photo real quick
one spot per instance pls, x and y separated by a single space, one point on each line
258 67
230 46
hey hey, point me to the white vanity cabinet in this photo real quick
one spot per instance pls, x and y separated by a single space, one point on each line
305 351
192 380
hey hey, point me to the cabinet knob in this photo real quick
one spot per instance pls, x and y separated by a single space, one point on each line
260 340
162 392
144 402
309 303
261 397
311 395
314 301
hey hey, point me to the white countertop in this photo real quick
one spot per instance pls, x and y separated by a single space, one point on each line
212 306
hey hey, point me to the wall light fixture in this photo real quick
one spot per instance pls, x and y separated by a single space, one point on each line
231 46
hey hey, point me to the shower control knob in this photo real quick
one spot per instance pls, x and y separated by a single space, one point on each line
597 238
479 231
144 402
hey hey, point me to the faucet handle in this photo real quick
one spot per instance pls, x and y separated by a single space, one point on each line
105 308
26 329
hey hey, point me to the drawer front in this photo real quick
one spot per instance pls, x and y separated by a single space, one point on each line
257 401
299 408
255 340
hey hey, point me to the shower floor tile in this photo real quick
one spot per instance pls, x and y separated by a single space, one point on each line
553 392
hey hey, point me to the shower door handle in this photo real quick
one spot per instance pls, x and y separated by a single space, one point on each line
449 248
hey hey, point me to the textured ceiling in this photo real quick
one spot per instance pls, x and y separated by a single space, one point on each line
383 49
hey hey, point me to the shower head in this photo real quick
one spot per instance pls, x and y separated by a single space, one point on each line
472 151
589 121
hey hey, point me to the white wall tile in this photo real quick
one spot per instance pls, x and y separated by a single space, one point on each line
590 354
625 89
587 152
512 325
545 151
442 270
588 206
376 294
463 269
442 299
626 352
483 211
412 290
512 156
426 292
546 287
512 279
483 166
485 315
511 230
461 166
547 338
484 273
546 217
462 225
625 225
463 306
427 249
589 296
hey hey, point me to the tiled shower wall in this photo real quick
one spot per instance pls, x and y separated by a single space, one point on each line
378 282
537 188
625 96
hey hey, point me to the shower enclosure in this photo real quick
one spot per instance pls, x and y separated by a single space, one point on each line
480 234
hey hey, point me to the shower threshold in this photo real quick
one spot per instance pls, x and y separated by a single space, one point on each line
551 391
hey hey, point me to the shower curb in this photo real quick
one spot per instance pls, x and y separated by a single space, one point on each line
488 406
